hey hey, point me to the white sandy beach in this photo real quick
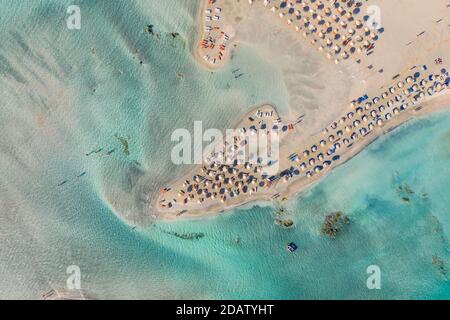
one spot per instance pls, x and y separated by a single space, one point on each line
414 34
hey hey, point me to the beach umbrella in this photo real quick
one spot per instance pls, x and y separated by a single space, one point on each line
423 82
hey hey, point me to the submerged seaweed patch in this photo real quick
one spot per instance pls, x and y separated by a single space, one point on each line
186 236
440 265
334 223
124 142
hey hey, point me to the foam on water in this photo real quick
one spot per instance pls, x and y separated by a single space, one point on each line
62 99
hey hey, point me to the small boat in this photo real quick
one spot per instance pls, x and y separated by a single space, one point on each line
291 247
62 183
81 174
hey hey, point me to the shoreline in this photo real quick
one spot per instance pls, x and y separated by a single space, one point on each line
440 102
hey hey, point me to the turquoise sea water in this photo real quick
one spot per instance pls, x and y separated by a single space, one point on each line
61 99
